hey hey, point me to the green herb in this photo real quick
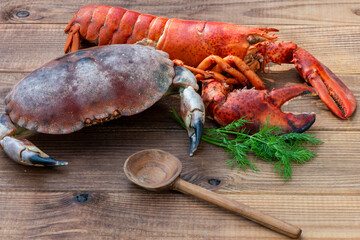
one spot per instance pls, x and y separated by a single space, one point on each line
270 144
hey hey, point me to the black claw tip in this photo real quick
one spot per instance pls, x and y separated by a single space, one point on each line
47 162
192 144
198 130
195 138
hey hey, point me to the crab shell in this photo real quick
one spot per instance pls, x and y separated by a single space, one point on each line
89 87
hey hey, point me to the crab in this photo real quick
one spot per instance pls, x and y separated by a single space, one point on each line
93 86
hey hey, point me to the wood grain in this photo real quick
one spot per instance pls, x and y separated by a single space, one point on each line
26 47
96 156
108 215
252 12
92 199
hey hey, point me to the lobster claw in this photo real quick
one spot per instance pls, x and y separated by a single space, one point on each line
332 91
290 122
261 108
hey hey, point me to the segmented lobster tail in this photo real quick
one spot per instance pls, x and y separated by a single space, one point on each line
104 25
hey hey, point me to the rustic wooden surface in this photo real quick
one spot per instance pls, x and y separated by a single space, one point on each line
91 197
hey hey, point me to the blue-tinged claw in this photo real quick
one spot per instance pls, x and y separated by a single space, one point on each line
24 152
195 137
193 113
36 160
191 106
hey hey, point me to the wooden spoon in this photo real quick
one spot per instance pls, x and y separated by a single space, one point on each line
157 170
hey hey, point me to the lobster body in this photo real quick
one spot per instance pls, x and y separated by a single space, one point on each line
105 25
199 45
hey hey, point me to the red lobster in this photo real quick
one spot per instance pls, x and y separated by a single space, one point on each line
199 45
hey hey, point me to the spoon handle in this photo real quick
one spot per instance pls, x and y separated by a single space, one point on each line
237 207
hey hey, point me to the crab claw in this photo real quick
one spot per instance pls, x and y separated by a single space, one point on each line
24 152
195 130
332 91
259 107
191 105
193 113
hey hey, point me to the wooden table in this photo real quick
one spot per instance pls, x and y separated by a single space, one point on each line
91 197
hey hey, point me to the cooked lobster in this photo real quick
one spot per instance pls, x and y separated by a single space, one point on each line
200 42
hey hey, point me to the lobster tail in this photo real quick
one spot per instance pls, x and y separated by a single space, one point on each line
104 25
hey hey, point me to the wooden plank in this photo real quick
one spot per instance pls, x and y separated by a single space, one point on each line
140 215
96 157
30 46
251 12
26 47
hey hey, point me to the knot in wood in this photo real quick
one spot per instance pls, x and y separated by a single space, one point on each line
83 197
356 11
22 14
214 181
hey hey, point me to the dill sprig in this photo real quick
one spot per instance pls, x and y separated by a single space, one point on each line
270 144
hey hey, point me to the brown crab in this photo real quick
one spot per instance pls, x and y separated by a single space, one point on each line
90 87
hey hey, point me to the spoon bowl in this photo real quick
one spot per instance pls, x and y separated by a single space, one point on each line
153 169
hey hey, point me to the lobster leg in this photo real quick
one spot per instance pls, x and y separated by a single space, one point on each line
332 91
224 66
21 150
73 39
241 75
206 74
245 69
